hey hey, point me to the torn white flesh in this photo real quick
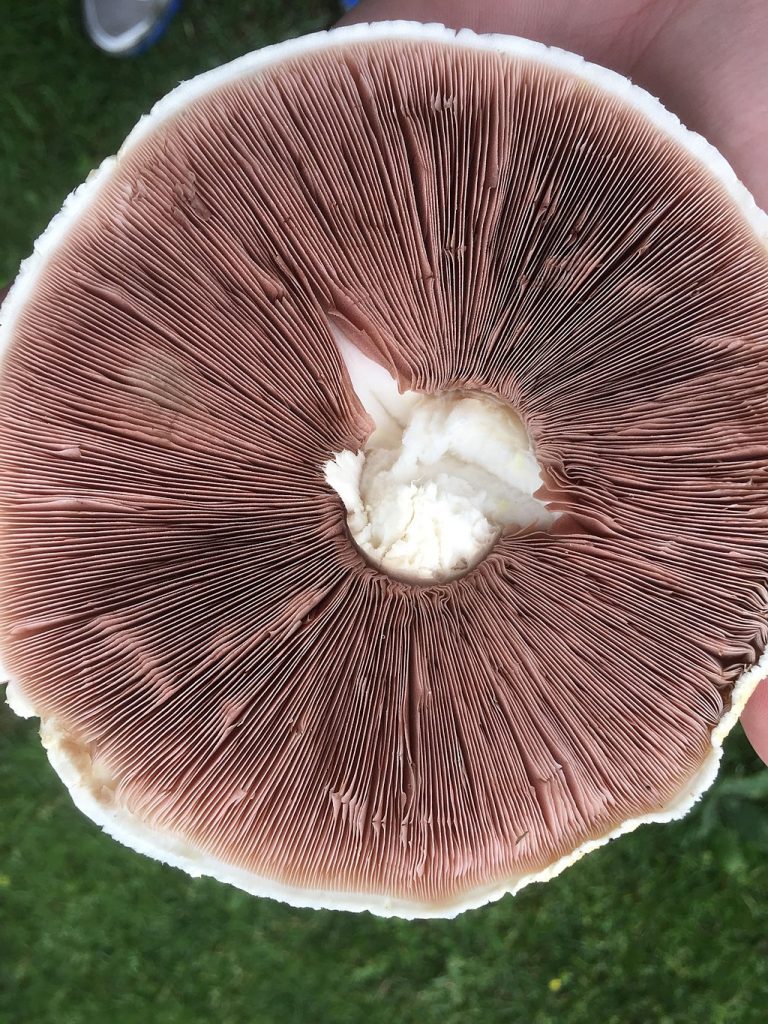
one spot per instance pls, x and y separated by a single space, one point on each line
441 477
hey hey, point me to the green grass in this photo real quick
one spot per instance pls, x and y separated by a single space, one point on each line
668 925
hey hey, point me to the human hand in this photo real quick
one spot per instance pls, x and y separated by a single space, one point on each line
704 59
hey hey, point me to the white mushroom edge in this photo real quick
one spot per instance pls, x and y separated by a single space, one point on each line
173 849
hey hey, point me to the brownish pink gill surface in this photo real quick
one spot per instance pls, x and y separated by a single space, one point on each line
179 589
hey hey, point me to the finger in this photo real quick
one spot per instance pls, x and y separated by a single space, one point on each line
585 27
754 718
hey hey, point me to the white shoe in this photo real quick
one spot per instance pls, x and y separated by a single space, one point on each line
126 28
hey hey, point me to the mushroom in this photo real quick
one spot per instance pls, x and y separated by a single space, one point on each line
384 470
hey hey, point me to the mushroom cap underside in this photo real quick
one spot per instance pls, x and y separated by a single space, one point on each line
224 681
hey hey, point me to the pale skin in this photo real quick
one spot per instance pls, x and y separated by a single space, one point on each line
704 59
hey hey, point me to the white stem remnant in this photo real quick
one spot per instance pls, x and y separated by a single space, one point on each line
439 480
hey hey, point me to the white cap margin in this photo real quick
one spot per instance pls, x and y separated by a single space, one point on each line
172 849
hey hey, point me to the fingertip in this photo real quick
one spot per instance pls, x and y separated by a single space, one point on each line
754 718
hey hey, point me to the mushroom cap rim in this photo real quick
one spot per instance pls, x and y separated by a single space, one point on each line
166 847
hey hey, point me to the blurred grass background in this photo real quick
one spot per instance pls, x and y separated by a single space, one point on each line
669 925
